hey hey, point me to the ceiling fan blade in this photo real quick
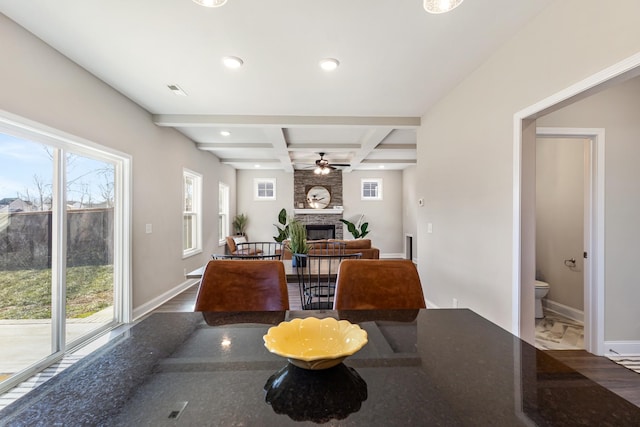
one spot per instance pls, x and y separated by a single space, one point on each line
341 164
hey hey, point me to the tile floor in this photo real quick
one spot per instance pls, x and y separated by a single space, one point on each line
556 332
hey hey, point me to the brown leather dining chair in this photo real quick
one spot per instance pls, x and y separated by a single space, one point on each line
243 285
371 284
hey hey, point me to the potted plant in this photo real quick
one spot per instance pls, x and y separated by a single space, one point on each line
298 242
357 230
283 227
240 224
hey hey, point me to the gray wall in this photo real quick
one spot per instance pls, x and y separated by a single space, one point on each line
44 86
410 196
616 110
466 158
560 208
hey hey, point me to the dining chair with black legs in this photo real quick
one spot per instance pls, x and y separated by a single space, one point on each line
316 276
371 284
243 285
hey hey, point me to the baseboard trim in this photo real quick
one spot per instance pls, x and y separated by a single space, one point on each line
148 307
622 348
564 310
430 304
399 255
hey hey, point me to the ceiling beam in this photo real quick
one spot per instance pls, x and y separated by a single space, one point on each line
211 146
369 142
279 142
397 147
388 161
209 120
323 147
228 161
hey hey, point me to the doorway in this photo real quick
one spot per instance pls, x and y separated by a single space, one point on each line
563 212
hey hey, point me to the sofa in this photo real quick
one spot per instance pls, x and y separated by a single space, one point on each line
362 246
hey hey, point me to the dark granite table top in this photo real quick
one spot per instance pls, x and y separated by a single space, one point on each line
424 368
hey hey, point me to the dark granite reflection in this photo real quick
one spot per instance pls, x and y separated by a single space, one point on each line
94 389
441 367
217 318
318 396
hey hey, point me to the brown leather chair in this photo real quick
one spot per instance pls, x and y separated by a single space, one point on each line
370 284
242 285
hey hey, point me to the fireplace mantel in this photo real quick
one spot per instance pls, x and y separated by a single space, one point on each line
318 211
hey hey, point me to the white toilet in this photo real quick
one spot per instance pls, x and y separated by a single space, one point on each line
542 289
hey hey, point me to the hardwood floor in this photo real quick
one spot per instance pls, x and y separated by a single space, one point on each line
622 381
610 375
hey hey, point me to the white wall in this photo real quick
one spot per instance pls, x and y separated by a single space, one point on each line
466 146
616 110
410 207
263 214
42 85
560 164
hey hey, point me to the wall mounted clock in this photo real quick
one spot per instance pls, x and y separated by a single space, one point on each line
318 197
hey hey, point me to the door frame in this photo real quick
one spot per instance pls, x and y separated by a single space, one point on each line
593 229
523 243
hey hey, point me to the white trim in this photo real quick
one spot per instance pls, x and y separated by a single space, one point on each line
566 311
622 348
331 211
430 304
392 255
156 302
378 181
257 182
196 211
622 69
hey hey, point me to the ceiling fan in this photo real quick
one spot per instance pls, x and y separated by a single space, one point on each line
323 166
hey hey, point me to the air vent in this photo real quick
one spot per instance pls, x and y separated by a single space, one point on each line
177 90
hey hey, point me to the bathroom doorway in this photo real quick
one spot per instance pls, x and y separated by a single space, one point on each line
563 176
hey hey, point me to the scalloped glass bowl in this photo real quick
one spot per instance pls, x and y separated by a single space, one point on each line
313 343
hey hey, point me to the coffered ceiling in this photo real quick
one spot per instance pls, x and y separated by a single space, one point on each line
280 108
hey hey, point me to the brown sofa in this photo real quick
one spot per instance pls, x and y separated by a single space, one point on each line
362 246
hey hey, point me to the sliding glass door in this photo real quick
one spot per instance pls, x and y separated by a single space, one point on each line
63 256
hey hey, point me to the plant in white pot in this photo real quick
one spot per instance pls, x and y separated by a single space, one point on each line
240 224
298 242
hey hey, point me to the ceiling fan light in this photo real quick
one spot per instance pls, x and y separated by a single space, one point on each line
325 171
210 3
317 170
441 6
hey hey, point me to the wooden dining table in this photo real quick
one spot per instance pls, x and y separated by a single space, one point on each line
435 367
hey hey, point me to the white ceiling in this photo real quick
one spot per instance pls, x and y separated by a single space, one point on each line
396 60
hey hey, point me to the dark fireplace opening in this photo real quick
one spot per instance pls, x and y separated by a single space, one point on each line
321 231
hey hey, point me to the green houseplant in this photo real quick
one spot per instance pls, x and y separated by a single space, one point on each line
240 224
282 226
357 230
297 242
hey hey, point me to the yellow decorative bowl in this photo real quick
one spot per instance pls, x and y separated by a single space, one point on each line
314 343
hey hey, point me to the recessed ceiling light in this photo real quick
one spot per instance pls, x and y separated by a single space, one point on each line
177 90
225 133
256 166
381 166
232 62
441 6
329 64
210 3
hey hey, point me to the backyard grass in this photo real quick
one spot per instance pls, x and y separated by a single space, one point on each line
26 294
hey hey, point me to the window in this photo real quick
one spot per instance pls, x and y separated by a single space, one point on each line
371 189
191 213
64 242
264 189
223 212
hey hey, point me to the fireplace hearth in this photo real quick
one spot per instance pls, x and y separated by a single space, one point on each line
321 231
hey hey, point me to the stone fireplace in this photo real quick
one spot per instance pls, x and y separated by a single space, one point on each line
324 219
321 231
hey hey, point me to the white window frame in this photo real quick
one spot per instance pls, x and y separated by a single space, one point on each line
223 212
364 182
122 249
195 213
257 182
